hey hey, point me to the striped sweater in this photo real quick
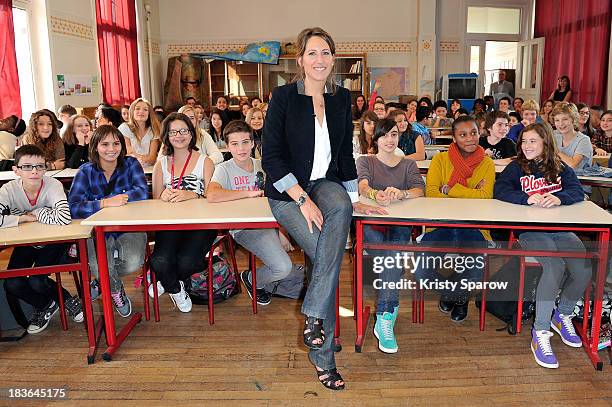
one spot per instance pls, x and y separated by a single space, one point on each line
50 208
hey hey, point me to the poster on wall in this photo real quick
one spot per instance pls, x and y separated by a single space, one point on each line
76 85
389 82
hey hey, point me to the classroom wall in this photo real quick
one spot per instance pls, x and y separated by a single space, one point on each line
387 31
73 48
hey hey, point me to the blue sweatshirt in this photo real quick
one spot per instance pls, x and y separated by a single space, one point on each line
514 186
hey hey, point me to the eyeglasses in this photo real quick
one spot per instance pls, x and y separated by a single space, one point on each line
30 167
182 132
584 113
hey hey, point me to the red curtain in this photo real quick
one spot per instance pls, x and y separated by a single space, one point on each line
577 36
118 50
10 97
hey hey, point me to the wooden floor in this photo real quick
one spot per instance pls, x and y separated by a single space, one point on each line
257 360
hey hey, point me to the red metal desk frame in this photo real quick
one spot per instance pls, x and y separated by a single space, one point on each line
589 342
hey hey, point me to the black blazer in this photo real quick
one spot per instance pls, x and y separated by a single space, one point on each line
288 139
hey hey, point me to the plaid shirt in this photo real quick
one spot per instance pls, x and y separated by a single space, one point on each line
600 140
90 187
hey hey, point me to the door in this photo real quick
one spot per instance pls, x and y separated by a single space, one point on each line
530 57
476 64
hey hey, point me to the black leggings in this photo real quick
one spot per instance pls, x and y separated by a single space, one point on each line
179 254
38 290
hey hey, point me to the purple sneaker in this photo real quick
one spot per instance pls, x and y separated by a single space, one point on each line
562 324
542 351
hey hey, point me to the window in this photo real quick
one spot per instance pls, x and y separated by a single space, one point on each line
493 20
118 50
23 53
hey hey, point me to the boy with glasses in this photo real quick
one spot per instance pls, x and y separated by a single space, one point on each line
33 197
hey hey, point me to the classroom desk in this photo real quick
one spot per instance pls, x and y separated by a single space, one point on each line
154 215
69 173
602 160
36 233
491 214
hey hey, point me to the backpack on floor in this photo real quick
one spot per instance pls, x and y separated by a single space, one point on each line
224 282
503 303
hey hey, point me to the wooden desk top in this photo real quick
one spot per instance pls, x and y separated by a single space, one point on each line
493 211
194 211
34 232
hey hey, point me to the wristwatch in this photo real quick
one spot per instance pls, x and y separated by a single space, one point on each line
302 199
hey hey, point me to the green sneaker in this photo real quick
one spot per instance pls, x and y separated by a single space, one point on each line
395 312
383 331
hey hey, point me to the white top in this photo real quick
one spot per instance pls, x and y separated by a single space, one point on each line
194 181
322 150
140 147
8 142
208 146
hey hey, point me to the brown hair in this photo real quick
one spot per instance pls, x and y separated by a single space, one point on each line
383 127
568 109
152 121
394 113
492 117
28 150
48 145
302 40
370 116
98 135
550 164
168 149
237 126
69 136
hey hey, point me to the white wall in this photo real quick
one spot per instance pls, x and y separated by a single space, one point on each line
73 48
192 26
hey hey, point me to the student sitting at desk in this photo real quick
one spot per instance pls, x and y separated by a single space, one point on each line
495 144
11 129
440 110
539 178
34 197
76 141
181 174
204 141
141 132
240 178
423 113
464 171
385 178
43 133
111 179
363 142
529 114
575 149
602 140
410 142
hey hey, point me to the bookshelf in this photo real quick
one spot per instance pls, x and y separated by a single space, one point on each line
234 79
250 79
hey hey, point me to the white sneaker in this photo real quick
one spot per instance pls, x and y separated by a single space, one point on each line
181 299
160 290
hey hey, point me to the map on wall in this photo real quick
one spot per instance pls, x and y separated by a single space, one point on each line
392 82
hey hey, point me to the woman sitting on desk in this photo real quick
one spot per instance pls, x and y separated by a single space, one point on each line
384 177
312 180
464 171
551 183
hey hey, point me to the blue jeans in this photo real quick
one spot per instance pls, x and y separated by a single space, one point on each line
265 244
553 271
325 248
387 299
453 238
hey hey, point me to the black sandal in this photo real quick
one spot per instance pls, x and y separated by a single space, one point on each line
313 330
332 377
